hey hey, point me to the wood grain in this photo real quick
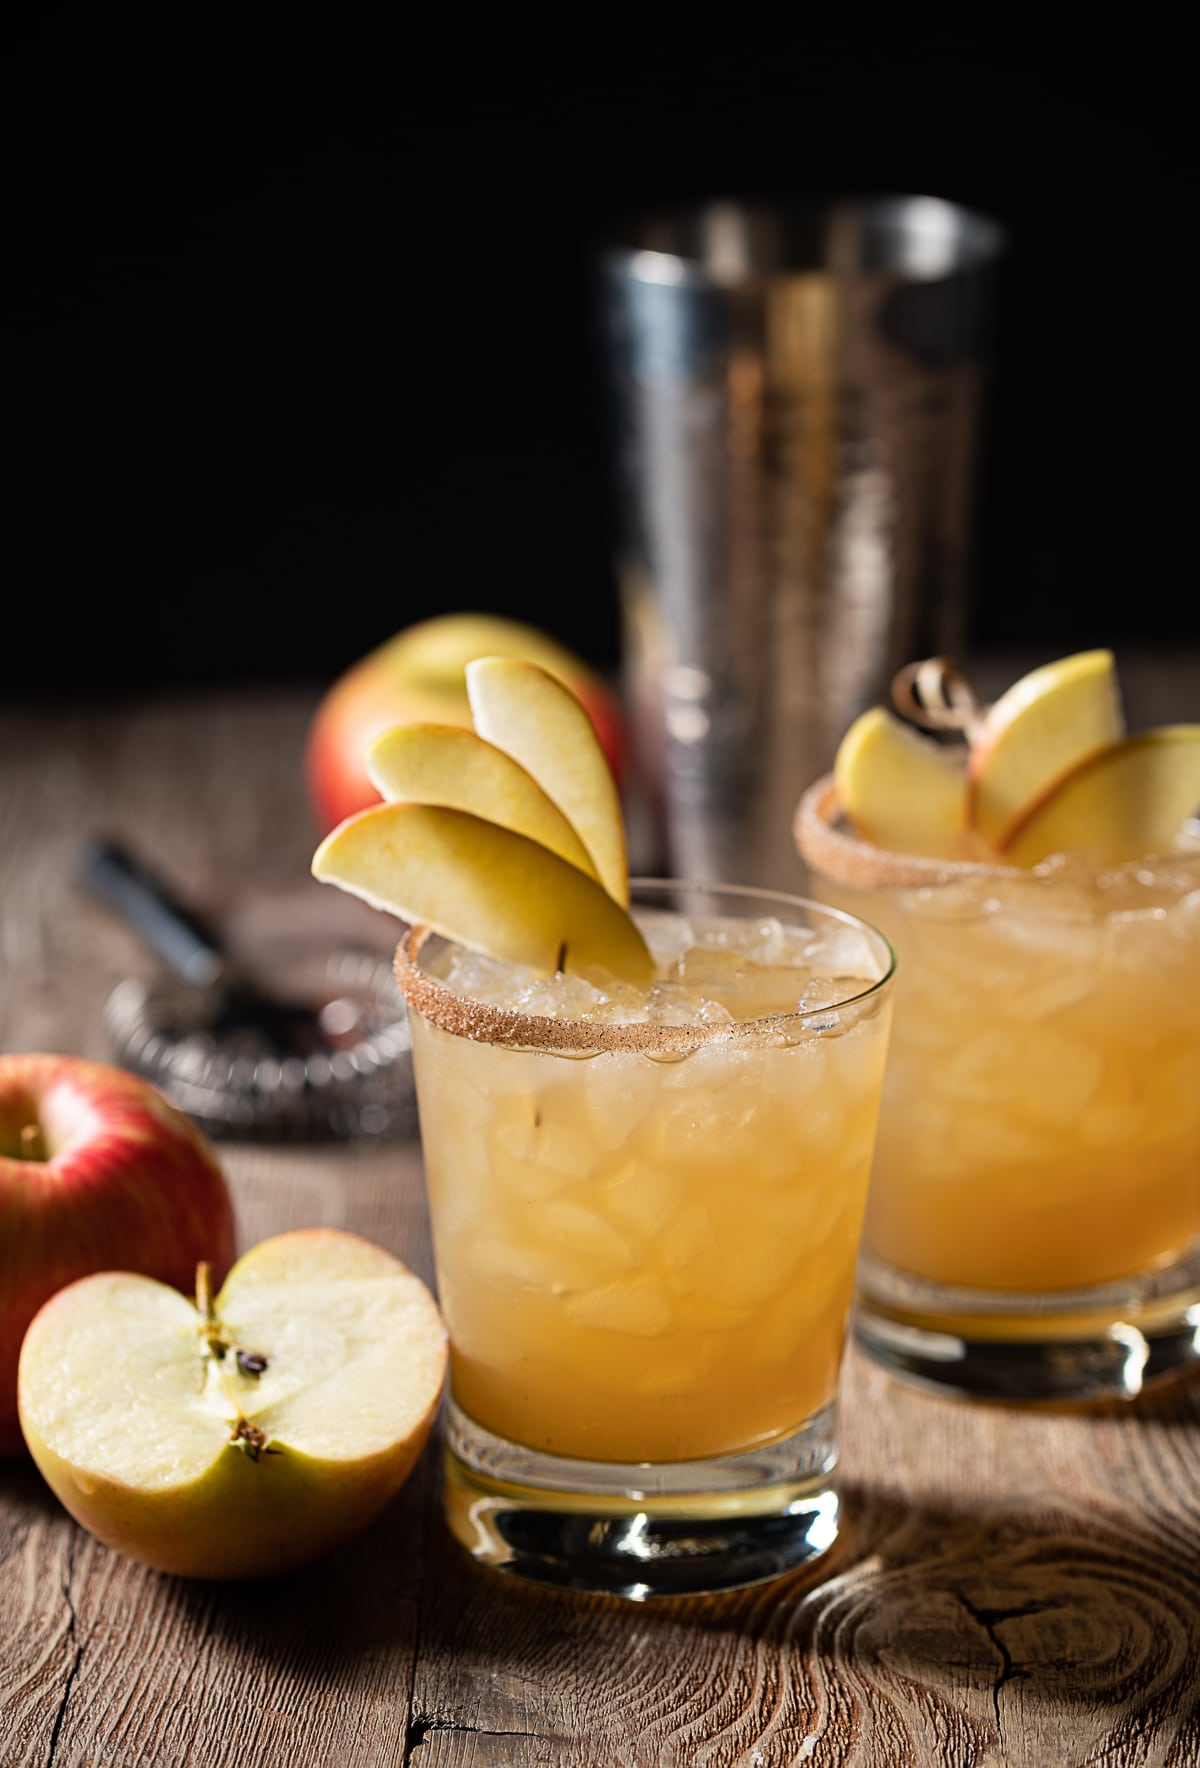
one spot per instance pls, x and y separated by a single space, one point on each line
1009 1587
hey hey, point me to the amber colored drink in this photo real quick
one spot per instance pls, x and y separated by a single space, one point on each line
646 1211
1040 1135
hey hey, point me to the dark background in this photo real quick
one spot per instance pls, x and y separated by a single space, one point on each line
298 343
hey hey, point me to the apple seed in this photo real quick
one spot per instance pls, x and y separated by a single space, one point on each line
217 1338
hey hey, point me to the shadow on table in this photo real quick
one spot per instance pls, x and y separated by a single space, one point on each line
1066 1605
1088 1610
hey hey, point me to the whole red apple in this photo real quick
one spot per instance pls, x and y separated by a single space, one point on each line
97 1172
419 675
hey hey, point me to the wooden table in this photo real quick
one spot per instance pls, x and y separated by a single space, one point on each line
1009 1587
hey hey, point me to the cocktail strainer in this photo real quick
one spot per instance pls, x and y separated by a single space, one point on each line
320 1052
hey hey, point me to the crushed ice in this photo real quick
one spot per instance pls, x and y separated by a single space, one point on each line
705 967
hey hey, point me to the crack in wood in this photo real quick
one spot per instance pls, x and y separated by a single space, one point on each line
76 1650
991 1618
419 1730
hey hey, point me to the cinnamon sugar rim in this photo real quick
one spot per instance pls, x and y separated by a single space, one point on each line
845 858
485 1022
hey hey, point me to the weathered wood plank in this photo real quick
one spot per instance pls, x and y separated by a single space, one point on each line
1010 1587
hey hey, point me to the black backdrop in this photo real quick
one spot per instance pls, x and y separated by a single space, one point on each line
298 344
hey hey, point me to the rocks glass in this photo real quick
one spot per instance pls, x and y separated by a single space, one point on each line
1034 1222
646 1218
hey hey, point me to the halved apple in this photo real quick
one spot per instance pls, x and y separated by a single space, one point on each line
484 886
901 790
445 764
529 714
244 1436
1129 801
1035 734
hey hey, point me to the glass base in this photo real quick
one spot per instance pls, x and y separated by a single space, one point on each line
640 1530
1107 1342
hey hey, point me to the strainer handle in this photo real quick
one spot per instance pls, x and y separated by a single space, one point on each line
147 905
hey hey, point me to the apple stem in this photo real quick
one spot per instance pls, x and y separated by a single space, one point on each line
33 1142
216 1340
936 695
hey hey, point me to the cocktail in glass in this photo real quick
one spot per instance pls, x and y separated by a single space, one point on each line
1034 1222
646 1214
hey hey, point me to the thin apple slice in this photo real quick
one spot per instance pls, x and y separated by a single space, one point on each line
484 886
901 790
445 764
529 714
1035 734
1126 803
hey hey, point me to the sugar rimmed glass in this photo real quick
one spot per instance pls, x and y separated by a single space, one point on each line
1033 1232
645 1237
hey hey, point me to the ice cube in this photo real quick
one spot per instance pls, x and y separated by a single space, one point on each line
494 1258
1045 1073
764 940
667 935
688 1237
713 968
674 1003
559 997
476 974
643 1198
843 951
753 1267
575 1229
621 1089
744 988
640 1306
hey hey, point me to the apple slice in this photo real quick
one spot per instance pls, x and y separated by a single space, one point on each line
1128 802
1035 734
238 1438
529 714
901 790
485 886
445 764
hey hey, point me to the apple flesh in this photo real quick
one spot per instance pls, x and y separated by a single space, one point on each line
485 886
444 764
96 1170
418 677
1035 734
899 789
240 1437
1129 802
533 717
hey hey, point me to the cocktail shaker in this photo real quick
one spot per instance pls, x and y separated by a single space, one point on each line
795 410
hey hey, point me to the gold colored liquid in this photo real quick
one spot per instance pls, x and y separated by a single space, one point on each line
648 1260
1041 1119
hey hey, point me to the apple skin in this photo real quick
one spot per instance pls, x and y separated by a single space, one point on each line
1034 735
294 1508
127 1180
242 1516
418 677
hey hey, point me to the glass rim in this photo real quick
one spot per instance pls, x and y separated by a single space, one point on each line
912 235
826 845
486 1022
846 858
